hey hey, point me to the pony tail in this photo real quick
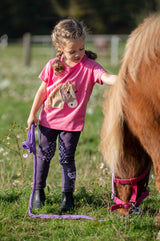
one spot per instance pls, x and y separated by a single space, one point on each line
90 54
58 66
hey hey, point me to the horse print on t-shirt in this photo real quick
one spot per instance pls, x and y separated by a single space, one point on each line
63 93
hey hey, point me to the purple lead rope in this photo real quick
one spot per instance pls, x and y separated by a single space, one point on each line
30 145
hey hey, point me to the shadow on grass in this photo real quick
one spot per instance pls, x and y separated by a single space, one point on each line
93 198
90 198
81 198
9 196
150 207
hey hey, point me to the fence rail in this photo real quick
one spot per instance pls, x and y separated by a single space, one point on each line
105 43
46 39
102 43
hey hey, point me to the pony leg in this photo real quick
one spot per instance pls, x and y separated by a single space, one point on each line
156 166
152 146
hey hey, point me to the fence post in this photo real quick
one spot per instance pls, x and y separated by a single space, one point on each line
27 49
4 41
114 50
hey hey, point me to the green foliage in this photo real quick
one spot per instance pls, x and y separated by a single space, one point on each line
93 185
19 17
39 17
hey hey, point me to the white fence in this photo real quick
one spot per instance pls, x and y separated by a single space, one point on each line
102 43
4 41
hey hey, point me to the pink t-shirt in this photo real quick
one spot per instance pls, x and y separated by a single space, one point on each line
69 102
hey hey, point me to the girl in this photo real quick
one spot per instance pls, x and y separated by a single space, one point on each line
67 83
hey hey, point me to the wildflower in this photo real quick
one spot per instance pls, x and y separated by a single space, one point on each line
18 174
10 163
90 111
10 129
104 171
8 138
94 158
1 149
5 153
101 165
15 182
25 155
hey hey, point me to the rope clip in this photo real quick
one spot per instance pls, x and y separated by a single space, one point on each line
135 210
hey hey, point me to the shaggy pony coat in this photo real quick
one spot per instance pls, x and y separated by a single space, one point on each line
130 136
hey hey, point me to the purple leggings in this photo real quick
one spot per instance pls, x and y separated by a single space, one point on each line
47 146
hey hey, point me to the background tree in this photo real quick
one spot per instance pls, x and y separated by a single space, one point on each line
107 16
102 16
18 17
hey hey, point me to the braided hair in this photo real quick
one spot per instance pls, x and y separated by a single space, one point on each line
64 30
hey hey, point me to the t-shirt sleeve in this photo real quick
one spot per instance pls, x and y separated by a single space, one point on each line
44 75
47 73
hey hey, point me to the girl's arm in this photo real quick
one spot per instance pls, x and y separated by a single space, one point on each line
38 100
108 79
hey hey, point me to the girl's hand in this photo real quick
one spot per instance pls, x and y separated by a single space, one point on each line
32 120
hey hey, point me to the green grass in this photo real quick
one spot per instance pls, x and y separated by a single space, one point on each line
18 85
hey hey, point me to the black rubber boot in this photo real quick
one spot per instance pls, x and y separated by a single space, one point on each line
67 202
38 198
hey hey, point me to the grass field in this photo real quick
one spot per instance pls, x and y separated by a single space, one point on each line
18 85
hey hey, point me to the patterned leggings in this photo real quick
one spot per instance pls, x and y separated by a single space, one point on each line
47 146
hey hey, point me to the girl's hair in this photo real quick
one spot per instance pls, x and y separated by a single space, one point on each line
64 30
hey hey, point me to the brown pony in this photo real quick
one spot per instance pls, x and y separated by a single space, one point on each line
130 139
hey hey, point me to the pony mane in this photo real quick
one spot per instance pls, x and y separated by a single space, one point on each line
143 44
